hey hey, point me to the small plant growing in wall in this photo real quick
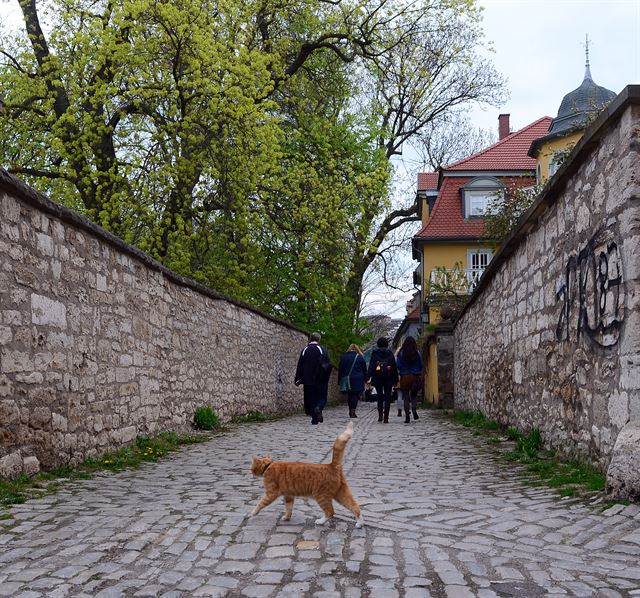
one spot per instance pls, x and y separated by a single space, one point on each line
205 418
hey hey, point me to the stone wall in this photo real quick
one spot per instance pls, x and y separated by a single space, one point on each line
100 344
551 337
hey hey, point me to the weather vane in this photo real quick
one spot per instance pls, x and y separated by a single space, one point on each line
587 69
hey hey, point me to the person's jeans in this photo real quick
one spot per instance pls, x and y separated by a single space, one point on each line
384 393
408 399
322 397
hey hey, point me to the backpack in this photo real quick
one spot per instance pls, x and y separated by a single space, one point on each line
382 369
325 365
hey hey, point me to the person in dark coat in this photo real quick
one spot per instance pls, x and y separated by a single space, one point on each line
353 365
383 375
409 362
314 377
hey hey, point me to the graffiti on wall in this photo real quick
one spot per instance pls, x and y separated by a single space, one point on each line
592 293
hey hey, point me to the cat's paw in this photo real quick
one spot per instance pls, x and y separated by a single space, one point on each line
359 522
321 521
286 518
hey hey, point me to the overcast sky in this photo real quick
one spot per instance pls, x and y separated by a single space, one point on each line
539 47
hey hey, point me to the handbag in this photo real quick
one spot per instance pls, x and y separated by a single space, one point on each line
409 381
345 381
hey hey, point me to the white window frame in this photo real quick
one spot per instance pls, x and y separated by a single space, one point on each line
477 195
554 165
477 203
482 255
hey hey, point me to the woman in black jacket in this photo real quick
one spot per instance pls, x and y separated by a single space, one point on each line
352 374
383 374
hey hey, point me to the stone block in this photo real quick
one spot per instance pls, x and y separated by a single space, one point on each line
32 378
44 244
124 435
11 465
9 412
623 475
15 361
6 386
30 466
58 423
40 417
48 312
6 334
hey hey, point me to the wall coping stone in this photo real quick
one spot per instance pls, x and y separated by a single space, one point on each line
13 185
630 95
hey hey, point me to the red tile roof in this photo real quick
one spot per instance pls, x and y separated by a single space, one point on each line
427 181
446 219
509 153
414 314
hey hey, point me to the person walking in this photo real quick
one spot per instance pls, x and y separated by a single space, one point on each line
410 370
352 374
383 375
313 371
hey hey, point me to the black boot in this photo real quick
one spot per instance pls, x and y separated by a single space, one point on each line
387 408
407 419
380 414
354 413
399 412
415 414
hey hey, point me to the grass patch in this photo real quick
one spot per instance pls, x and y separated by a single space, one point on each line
474 419
144 449
568 478
252 416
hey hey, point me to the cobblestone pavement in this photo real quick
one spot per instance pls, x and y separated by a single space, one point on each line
442 519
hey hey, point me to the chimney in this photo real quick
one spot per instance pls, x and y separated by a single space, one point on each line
503 126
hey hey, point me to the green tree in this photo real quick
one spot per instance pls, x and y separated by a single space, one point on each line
246 143
505 211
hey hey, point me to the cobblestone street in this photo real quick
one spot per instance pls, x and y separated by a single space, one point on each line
442 519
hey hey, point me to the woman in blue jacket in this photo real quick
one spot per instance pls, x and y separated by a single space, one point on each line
354 367
409 362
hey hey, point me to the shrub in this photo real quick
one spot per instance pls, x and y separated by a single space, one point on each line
529 445
206 418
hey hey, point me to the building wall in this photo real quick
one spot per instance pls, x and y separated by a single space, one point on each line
551 337
550 148
100 344
440 256
446 255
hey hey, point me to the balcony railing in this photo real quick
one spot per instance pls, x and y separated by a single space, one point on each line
455 280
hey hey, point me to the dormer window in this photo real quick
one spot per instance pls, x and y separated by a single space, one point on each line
478 194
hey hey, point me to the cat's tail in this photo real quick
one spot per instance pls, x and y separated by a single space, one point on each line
339 446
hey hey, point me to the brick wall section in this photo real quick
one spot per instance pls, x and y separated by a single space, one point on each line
551 338
99 343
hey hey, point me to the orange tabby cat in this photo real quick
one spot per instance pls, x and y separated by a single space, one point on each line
325 482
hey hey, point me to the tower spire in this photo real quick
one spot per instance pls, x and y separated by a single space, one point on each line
587 68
